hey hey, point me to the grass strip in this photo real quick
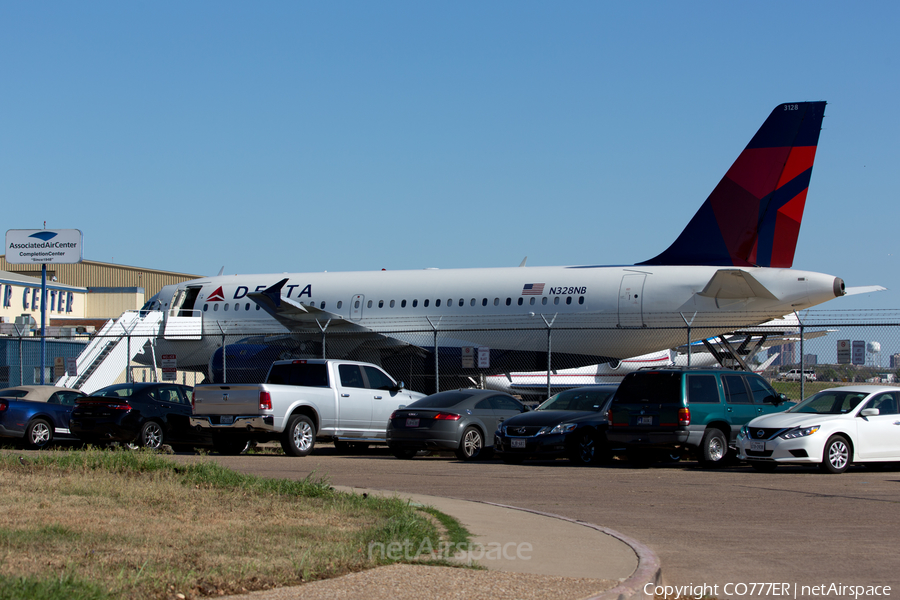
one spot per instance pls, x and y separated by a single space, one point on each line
135 524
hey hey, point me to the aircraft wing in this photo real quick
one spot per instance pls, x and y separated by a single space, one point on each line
294 315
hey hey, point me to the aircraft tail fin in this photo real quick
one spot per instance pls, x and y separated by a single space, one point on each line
752 218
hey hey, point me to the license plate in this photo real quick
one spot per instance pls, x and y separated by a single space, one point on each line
226 420
757 446
412 422
517 443
645 420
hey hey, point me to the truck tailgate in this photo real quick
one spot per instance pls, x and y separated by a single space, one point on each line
226 399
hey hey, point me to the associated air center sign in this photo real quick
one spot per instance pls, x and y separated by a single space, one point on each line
43 246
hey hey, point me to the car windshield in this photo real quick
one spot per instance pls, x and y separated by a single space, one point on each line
589 400
830 402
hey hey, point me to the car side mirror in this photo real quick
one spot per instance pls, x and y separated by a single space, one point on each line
400 386
526 408
869 412
778 398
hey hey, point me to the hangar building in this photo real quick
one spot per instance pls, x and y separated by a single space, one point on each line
81 298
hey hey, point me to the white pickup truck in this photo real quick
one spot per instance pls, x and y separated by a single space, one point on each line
795 375
301 401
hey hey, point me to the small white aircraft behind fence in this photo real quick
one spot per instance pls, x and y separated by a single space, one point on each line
733 350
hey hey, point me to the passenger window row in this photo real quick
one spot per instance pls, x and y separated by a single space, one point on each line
403 303
226 306
473 302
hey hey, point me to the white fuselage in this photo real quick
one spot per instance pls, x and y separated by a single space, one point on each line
628 302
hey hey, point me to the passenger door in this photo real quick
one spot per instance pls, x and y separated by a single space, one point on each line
631 299
764 397
61 416
174 409
879 436
354 401
739 408
703 398
356 307
385 399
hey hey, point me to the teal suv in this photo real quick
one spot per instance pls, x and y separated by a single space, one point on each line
667 412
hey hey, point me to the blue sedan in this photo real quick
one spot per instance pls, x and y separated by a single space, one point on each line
37 414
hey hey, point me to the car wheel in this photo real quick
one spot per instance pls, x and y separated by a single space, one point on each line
713 448
39 434
404 453
584 451
230 445
471 444
151 435
299 436
836 457
763 466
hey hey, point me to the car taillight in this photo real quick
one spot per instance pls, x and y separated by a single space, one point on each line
393 415
3 405
265 400
609 418
118 406
446 417
684 416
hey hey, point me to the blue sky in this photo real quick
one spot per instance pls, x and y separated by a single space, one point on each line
292 136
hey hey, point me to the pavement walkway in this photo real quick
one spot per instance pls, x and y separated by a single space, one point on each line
527 554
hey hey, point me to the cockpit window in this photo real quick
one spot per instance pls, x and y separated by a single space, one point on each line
152 304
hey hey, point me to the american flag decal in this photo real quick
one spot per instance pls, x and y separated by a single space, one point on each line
533 289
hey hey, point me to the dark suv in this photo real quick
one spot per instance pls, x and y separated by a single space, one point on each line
668 411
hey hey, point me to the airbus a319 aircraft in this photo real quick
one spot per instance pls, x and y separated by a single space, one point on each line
729 268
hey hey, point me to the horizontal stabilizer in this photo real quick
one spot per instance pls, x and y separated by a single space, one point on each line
863 289
735 284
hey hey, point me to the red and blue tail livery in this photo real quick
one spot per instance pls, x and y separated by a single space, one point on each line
752 218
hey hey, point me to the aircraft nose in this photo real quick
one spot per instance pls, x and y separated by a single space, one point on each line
839 289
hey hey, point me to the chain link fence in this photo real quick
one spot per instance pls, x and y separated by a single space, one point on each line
820 347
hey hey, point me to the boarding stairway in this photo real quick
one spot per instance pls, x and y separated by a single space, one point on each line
112 349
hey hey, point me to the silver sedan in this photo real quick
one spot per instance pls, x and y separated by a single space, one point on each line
460 420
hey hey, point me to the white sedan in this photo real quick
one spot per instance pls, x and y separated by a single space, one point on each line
834 428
